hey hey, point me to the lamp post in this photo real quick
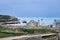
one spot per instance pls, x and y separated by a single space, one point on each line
38 23
41 21
55 23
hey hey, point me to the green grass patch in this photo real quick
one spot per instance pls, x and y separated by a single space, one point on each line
2 35
36 30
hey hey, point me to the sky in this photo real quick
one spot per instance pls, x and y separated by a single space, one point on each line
31 8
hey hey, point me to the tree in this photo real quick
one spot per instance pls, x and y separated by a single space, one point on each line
24 21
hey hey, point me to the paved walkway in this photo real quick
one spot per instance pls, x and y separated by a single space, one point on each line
18 37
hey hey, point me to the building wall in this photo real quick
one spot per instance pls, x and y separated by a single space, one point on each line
32 23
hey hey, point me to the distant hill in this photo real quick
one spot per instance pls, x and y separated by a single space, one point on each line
4 18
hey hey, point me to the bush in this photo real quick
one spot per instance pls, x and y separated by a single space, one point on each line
2 28
36 30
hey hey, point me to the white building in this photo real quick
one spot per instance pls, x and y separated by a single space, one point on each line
57 23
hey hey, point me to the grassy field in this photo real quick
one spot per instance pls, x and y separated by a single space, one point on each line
36 30
23 31
5 35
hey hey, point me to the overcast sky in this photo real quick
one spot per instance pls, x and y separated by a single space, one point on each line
31 8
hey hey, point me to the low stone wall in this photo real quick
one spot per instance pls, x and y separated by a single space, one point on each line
37 38
58 36
29 38
52 37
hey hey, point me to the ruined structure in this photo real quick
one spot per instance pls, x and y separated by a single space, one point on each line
32 23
